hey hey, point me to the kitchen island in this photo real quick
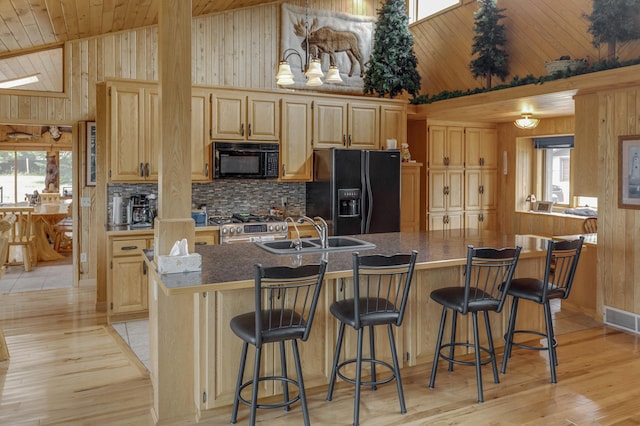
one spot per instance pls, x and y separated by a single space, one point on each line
194 355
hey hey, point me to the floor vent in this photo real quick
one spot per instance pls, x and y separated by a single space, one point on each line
625 320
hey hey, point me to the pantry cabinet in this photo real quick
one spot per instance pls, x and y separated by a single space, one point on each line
296 152
341 124
237 115
446 146
481 148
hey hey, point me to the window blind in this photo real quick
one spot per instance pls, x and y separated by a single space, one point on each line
553 142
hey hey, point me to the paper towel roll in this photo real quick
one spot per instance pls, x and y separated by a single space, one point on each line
117 209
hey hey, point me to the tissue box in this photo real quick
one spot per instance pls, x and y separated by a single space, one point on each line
176 264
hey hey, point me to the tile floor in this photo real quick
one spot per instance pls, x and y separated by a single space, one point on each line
136 335
44 276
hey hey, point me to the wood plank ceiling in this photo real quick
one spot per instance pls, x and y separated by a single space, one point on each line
27 26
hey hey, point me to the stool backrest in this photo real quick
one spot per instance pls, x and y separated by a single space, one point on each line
488 275
590 225
560 267
286 300
381 287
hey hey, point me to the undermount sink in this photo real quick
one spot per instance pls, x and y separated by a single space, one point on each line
313 245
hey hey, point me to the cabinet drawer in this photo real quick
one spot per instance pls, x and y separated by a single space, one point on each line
128 247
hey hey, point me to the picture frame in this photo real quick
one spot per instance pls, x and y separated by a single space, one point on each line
629 172
544 206
90 178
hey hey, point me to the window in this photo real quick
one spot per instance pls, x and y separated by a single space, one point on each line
420 9
22 172
557 175
40 71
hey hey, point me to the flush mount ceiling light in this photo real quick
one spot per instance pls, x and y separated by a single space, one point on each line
15 82
311 66
526 122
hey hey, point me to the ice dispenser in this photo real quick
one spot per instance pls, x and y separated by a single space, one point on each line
349 202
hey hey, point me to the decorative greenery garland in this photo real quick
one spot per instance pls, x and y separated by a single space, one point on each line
528 79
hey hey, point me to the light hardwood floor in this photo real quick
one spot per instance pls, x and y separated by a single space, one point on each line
68 368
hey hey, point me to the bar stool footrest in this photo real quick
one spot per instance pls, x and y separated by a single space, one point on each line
370 361
273 405
466 345
531 347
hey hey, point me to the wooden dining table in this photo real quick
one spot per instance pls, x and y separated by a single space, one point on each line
44 217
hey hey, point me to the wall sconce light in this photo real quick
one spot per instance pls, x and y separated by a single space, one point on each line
311 66
526 122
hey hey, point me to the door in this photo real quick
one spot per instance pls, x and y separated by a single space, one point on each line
382 191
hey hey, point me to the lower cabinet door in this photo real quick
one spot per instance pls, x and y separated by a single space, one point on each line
129 284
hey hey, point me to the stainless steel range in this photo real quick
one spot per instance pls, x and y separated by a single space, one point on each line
247 227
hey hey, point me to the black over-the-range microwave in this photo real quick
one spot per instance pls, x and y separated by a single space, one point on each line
245 160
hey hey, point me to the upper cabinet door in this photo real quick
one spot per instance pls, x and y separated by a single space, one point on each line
229 116
200 153
329 124
296 159
127 132
239 116
393 124
363 126
263 118
446 146
481 148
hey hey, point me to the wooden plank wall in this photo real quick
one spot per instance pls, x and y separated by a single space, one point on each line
537 32
236 49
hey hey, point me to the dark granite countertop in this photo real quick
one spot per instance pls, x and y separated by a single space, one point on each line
229 266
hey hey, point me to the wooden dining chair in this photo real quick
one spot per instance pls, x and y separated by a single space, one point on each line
5 227
63 233
590 225
21 235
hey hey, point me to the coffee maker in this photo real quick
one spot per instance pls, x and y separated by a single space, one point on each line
141 211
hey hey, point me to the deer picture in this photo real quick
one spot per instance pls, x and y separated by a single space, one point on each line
329 41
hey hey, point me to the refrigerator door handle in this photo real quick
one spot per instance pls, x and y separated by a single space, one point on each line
368 194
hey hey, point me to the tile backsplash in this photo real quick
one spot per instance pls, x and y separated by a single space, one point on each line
224 197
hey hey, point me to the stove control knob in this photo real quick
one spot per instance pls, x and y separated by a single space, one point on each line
270 228
239 230
231 230
224 231
284 226
277 228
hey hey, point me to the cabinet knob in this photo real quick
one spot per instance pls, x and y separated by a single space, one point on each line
146 170
344 140
350 140
481 161
141 169
242 129
481 189
249 129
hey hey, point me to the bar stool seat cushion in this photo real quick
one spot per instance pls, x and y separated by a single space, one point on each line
532 289
385 311
244 326
453 298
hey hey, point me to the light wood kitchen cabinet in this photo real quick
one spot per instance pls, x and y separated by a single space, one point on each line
480 189
446 221
342 124
296 153
127 278
446 146
483 219
410 197
200 144
242 116
134 143
446 190
481 148
393 124
584 175
133 132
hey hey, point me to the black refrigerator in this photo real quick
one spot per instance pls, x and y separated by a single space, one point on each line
355 191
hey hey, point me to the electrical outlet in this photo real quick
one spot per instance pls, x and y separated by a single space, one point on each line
85 201
83 257
283 201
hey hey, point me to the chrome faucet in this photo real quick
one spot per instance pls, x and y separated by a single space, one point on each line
322 229
297 243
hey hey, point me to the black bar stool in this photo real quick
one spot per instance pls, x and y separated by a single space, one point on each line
380 292
559 271
488 274
285 300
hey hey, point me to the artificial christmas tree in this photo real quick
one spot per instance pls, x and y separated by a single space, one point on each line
392 66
